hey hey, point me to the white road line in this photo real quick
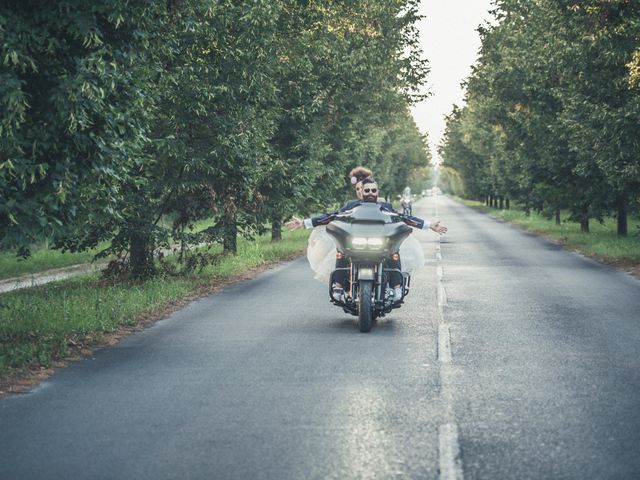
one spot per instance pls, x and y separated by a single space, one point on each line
444 343
449 445
442 295
450 462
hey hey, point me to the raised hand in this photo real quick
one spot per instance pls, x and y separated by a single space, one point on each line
436 227
294 223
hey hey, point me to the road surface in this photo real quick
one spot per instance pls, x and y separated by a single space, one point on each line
510 359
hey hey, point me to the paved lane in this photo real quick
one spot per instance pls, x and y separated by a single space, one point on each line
546 354
538 378
263 380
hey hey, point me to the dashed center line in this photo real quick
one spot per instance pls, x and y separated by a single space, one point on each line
448 442
444 343
449 447
442 296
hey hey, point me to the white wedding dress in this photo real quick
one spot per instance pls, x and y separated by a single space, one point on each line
321 253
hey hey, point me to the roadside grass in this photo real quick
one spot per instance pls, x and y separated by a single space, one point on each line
41 259
602 241
42 324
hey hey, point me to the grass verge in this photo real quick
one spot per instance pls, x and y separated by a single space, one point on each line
41 259
601 243
42 325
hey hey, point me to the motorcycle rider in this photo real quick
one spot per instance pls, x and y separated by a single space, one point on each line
369 195
356 176
406 201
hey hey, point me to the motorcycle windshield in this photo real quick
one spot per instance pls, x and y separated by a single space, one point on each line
368 221
367 213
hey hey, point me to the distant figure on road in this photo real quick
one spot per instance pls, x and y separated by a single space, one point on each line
406 201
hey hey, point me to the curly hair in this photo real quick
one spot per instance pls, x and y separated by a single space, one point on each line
360 173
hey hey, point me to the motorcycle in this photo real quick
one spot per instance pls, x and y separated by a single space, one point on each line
406 205
366 237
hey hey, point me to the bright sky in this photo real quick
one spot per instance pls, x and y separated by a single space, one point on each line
450 42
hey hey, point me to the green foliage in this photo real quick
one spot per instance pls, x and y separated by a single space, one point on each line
73 103
345 84
116 114
552 117
450 181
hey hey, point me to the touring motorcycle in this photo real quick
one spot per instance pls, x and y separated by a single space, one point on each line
366 237
406 202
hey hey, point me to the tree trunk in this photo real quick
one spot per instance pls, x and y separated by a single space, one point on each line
584 219
230 240
584 224
507 204
141 256
276 229
622 215
501 200
557 215
230 244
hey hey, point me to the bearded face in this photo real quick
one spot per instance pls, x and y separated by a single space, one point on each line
370 192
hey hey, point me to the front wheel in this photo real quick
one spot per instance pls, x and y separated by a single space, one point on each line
365 310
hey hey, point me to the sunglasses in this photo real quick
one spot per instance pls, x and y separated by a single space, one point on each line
370 190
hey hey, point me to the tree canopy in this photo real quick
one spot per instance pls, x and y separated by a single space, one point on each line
115 114
552 114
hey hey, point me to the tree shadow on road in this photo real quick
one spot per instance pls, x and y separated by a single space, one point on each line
382 326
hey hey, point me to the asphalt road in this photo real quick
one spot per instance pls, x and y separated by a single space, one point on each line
510 359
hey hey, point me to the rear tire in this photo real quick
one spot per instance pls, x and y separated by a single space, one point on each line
365 311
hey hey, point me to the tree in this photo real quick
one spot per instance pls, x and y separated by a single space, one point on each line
551 112
120 115
73 123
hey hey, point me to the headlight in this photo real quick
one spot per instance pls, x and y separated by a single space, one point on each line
360 243
375 242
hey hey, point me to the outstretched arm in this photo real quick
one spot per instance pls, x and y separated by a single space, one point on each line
323 219
296 222
424 224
